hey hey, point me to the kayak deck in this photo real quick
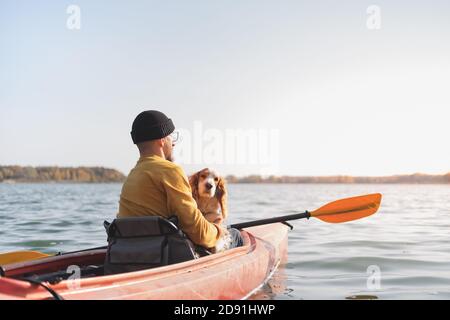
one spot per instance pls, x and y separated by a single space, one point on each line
234 274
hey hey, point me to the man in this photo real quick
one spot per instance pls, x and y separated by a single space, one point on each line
157 186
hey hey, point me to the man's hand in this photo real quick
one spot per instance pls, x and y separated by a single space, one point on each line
222 231
223 241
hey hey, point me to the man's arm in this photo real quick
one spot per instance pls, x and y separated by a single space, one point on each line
183 205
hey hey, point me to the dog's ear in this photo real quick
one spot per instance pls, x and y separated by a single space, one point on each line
193 181
221 194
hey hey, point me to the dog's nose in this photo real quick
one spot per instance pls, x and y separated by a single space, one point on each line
208 186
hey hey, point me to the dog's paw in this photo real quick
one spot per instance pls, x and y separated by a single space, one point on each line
223 243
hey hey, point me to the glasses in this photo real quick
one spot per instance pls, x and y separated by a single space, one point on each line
175 136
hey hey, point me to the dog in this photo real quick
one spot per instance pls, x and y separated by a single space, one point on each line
210 192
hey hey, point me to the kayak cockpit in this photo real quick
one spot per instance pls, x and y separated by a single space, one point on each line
233 274
82 265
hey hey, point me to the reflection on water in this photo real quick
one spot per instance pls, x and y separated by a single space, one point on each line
407 240
275 287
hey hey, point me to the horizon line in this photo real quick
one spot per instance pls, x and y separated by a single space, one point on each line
417 173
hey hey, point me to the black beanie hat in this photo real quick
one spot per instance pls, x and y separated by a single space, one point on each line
151 125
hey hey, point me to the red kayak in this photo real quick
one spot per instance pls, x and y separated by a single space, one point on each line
235 274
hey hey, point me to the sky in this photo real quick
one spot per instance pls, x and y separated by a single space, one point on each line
255 87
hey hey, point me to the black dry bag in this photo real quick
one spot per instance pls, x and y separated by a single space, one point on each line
139 243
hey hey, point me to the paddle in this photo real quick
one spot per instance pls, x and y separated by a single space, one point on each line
343 210
338 211
19 256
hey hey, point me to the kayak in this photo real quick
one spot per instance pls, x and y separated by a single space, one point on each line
234 274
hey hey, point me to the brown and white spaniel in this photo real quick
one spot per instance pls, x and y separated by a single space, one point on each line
210 193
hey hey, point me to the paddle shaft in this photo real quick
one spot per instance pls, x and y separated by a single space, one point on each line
242 225
261 222
84 250
288 217
296 216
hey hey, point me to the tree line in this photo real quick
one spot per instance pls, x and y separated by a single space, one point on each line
416 178
101 174
59 174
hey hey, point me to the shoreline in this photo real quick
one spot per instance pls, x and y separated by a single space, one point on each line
55 174
237 183
58 182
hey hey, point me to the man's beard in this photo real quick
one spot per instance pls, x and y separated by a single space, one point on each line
169 157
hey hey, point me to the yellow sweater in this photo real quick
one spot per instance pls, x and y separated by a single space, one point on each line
159 187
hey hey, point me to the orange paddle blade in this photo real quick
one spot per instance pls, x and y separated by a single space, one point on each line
20 256
349 209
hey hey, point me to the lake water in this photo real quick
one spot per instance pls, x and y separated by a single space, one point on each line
402 252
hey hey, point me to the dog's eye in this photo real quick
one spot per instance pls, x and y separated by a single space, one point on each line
203 176
216 179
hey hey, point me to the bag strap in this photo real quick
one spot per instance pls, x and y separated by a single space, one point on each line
172 222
